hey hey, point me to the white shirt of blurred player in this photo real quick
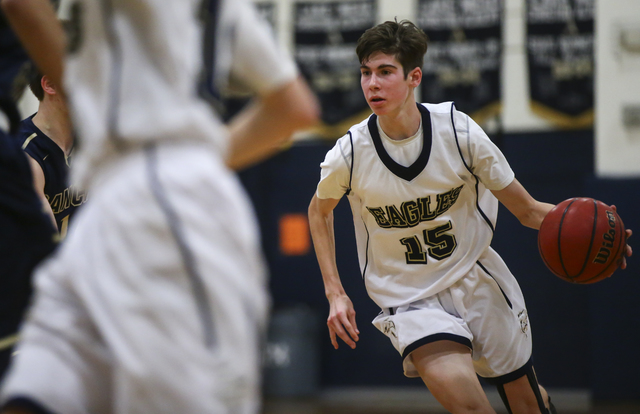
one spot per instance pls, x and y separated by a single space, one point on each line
115 107
390 280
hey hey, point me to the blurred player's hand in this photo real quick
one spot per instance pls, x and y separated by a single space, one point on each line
342 321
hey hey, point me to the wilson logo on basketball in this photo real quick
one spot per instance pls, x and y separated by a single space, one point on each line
608 239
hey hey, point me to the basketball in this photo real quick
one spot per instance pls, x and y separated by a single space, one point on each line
582 240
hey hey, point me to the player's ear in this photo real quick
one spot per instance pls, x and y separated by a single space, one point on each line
47 86
415 77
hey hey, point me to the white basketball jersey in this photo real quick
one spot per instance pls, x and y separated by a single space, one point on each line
419 228
171 43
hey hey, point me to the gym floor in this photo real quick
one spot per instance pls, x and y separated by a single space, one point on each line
418 401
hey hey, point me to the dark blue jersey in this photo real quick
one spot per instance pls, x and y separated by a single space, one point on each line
26 233
62 197
14 63
26 237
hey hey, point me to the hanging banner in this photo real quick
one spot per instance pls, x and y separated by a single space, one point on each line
462 63
326 34
560 53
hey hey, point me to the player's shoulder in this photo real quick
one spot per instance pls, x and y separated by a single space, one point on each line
26 129
440 108
33 141
359 130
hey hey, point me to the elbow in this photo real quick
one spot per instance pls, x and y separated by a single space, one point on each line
312 211
532 218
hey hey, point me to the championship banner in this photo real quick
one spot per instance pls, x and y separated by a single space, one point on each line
561 64
326 34
463 58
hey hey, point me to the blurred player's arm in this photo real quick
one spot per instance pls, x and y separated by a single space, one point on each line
41 34
521 204
38 183
342 316
262 128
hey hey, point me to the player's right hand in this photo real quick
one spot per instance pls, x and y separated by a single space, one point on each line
342 321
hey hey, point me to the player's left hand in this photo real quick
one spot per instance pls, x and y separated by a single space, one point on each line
629 250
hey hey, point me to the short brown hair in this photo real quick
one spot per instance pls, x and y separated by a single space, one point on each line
35 79
404 40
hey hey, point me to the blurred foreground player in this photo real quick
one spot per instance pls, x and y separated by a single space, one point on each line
26 233
47 138
156 301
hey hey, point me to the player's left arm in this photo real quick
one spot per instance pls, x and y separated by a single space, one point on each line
530 211
41 34
521 204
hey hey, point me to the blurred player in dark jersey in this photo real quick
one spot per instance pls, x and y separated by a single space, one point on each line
26 233
48 140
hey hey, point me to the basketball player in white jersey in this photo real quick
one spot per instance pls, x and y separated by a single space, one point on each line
157 302
424 181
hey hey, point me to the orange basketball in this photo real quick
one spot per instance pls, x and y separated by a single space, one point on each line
582 240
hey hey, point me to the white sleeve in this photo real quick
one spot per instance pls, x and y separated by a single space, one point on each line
482 156
336 170
258 62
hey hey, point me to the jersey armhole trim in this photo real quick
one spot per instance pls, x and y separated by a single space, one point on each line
352 161
455 134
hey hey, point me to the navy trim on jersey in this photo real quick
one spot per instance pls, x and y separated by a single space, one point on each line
175 225
434 338
455 134
208 89
512 376
24 403
503 294
412 171
366 255
353 157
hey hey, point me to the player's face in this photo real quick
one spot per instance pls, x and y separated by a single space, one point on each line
385 87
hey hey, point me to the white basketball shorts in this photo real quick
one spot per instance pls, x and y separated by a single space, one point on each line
484 310
156 302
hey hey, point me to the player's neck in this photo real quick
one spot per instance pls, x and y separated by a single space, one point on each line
54 122
403 123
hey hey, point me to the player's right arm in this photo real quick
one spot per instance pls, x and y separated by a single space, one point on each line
38 183
284 103
342 316
262 128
